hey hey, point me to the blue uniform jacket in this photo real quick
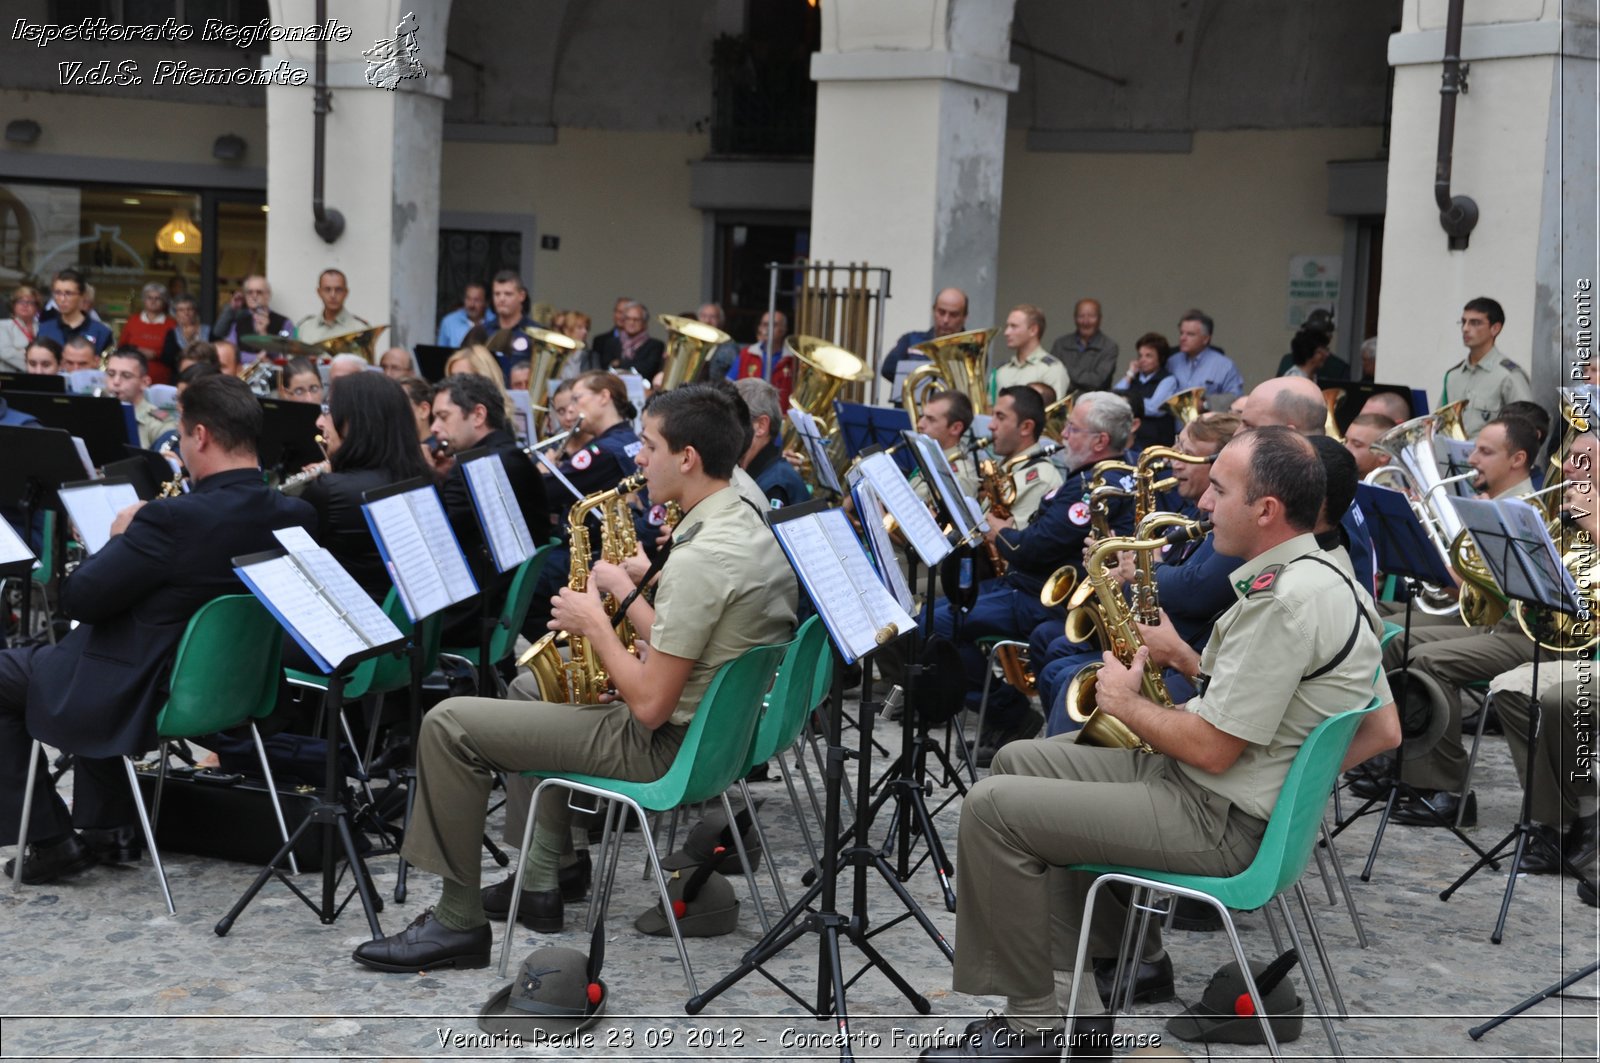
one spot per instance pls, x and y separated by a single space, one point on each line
1055 535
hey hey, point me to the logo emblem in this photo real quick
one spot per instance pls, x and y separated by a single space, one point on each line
395 60
1078 514
582 460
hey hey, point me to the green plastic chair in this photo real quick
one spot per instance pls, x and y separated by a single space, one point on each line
513 611
224 674
715 748
1292 830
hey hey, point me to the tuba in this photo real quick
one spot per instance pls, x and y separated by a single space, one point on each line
1566 632
1185 406
959 362
581 679
547 352
363 342
689 343
1330 427
822 370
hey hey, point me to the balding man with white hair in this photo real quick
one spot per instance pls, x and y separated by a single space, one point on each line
249 313
345 365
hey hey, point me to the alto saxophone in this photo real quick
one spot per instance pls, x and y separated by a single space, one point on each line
580 679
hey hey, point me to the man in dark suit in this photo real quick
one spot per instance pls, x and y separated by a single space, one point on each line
632 348
97 692
469 414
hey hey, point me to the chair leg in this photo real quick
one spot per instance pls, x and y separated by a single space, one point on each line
799 816
1311 981
516 880
611 835
272 792
1244 966
1322 951
1272 928
1344 885
761 835
744 862
1322 870
149 832
1472 757
27 814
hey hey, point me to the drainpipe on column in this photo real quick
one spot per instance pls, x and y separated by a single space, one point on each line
1458 215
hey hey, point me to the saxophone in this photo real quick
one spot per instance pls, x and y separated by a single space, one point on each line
580 679
1119 622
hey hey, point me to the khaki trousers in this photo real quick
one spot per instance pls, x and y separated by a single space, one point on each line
464 741
1050 803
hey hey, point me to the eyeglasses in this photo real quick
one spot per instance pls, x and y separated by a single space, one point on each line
324 407
306 391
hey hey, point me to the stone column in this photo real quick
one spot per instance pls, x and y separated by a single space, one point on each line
381 171
910 147
1525 153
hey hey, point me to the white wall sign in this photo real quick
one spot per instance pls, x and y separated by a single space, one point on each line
1313 285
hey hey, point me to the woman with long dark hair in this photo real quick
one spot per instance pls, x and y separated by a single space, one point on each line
371 438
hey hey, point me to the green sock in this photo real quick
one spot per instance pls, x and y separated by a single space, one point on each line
460 907
541 864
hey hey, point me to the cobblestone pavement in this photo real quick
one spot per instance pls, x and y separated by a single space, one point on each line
96 969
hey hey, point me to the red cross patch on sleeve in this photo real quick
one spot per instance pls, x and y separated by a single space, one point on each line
582 459
1078 513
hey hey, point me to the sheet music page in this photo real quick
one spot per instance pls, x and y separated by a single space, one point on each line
93 508
311 619
427 509
938 471
525 422
12 548
407 555
918 525
870 509
294 539
852 614
503 523
1535 570
83 455
811 440
372 625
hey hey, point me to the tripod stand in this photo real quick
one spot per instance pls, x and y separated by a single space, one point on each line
1555 990
828 922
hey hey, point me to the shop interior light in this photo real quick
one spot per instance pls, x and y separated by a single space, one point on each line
179 236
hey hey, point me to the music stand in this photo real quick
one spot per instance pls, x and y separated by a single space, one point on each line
46 383
346 604
827 921
147 470
101 423
1517 550
1403 549
16 562
288 435
874 426
38 461
431 359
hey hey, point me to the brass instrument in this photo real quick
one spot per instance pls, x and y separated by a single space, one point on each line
689 343
173 486
1330 427
1482 601
534 449
260 375
958 362
1415 470
821 371
581 679
1186 406
547 353
1056 414
363 342
1576 425
1146 485
1567 632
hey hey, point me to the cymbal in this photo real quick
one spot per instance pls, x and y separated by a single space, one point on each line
360 342
278 345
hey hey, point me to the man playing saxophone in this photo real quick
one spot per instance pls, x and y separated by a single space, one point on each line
725 588
1201 804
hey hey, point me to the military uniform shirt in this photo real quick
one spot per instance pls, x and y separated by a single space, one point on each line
314 328
1487 386
1033 479
1038 366
725 587
1293 616
152 421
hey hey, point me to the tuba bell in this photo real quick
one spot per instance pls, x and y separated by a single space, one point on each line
1185 406
1330 427
822 369
363 342
689 344
547 351
958 362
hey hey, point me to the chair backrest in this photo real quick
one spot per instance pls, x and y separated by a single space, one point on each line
1390 631
793 694
226 668
47 549
1293 828
717 743
519 598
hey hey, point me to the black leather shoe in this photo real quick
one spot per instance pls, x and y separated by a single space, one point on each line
994 1038
574 879
47 863
1365 785
1542 859
426 945
1152 980
114 845
1583 839
1090 1040
1413 813
538 910
1025 728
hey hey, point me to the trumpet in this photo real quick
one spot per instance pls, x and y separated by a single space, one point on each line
173 486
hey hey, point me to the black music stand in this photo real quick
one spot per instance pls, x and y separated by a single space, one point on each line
1403 549
147 470
102 423
38 461
862 427
827 921
431 359
288 435
16 562
46 383
1527 569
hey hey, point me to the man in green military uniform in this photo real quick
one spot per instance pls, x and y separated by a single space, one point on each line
1202 803
725 588
1024 332
1486 378
334 320
127 377
1014 427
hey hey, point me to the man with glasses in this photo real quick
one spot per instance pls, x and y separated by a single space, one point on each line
334 320
1487 379
71 320
248 314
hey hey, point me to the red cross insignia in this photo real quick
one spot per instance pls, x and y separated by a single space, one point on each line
582 460
658 515
1079 513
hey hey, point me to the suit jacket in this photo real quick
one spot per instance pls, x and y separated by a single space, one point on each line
646 361
98 691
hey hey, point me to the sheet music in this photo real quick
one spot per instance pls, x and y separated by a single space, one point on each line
371 624
504 526
1452 457
919 527
811 439
937 470
854 605
93 508
311 619
294 539
85 381
1534 570
422 555
83 455
12 549
869 507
